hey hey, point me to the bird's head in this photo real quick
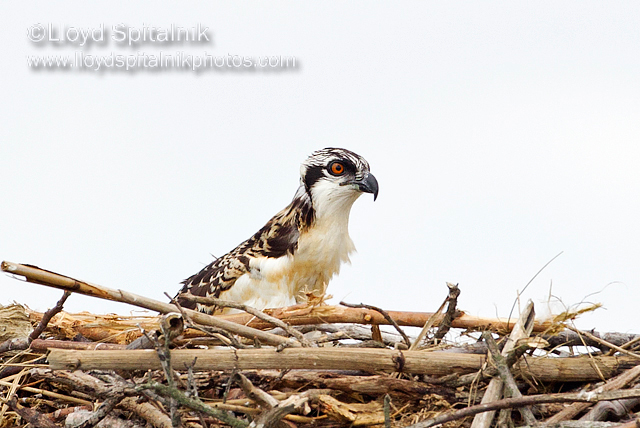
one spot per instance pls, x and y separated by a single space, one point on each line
335 175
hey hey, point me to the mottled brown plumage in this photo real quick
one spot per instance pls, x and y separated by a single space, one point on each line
270 269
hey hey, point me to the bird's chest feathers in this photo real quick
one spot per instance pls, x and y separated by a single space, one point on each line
320 251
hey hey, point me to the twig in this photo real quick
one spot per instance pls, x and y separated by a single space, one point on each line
272 417
210 301
48 315
507 378
450 315
256 394
40 276
427 326
101 412
615 383
523 328
193 404
33 417
386 409
604 342
385 315
529 400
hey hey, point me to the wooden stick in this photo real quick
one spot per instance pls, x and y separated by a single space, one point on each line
52 279
211 301
507 378
304 315
578 369
604 342
523 328
509 403
618 382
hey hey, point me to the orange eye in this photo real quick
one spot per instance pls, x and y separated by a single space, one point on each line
337 168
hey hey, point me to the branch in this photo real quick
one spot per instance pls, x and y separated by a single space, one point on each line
51 279
193 404
386 317
507 378
450 315
522 329
210 301
47 317
529 400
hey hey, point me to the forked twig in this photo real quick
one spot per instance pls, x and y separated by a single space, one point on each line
385 315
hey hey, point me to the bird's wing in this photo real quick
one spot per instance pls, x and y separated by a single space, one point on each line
277 238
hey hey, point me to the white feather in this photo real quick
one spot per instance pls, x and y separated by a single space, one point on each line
284 281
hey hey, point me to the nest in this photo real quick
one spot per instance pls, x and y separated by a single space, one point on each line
314 365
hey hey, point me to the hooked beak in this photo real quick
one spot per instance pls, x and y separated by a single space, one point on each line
368 184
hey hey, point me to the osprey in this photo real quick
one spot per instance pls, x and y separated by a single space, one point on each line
301 248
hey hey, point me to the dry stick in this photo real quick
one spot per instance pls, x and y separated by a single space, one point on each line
210 301
101 412
253 392
427 326
416 362
511 358
529 400
223 336
33 417
452 301
523 328
386 317
604 342
507 378
305 315
22 343
52 279
617 382
48 315
54 395
196 405
272 417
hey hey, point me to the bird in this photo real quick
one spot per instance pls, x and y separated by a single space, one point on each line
296 253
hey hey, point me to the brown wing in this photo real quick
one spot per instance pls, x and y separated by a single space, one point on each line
276 239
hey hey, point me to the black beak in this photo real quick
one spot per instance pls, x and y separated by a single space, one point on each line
368 184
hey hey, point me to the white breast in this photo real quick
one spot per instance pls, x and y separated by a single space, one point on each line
285 281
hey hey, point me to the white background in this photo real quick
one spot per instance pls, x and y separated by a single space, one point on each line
501 134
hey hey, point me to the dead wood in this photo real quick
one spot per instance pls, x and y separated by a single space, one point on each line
210 301
619 409
450 314
511 403
510 387
33 417
571 338
618 382
386 316
42 325
604 342
52 279
375 385
578 369
305 315
43 345
146 411
522 329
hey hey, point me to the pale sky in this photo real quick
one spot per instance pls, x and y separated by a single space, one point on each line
501 134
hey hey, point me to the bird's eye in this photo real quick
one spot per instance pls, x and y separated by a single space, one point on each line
336 168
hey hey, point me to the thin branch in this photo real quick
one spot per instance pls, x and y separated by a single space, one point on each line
193 404
529 400
604 342
507 378
48 315
210 301
385 315
450 315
